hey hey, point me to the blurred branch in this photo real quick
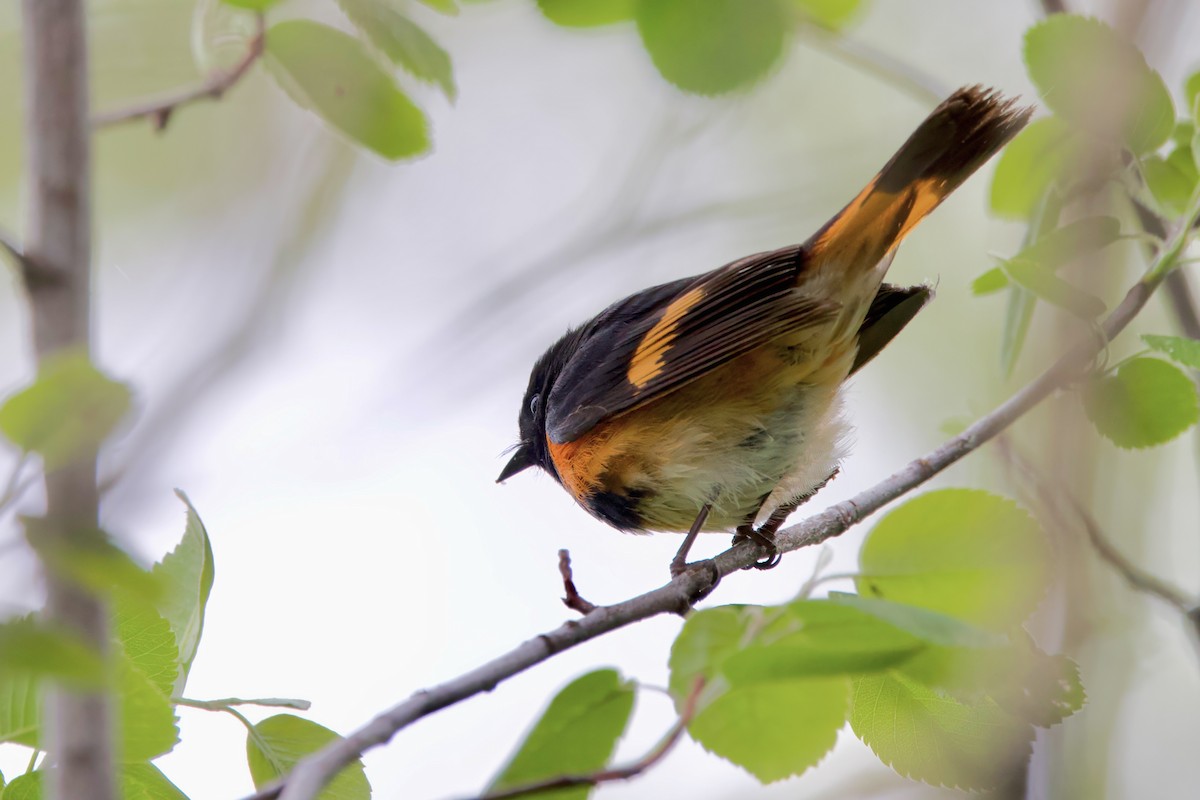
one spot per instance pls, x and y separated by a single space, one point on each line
921 86
312 773
659 751
1178 288
9 245
1052 494
220 81
224 703
79 725
1054 7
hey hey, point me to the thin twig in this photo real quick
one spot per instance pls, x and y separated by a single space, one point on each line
573 600
315 771
919 85
223 704
656 754
159 111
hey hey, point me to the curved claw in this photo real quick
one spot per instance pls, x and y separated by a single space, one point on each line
770 562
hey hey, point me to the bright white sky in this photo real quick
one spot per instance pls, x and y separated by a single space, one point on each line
345 467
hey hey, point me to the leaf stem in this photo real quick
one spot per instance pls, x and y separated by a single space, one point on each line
886 68
33 757
224 703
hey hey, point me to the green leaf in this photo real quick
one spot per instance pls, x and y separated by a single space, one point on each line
1019 312
20 709
1171 180
924 734
961 552
712 46
1090 75
138 782
66 412
25 787
186 574
444 6
1177 348
403 42
831 638
1055 692
251 5
1191 91
330 73
707 639
149 643
1146 403
989 282
576 734
1044 284
28 649
146 782
148 723
586 13
774 730
89 559
275 745
1028 166
832 14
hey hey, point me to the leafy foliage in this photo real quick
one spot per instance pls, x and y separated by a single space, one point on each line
274 745
1178 349
586 13
1088 74
576 734
403 42
66 412
331 74
1145 403
1028 166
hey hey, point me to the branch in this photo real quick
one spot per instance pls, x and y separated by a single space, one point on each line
315 771
573 600
1053 7
58 168
660 750
1179 290
919 85
220 81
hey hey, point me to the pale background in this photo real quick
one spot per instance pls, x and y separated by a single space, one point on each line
344 343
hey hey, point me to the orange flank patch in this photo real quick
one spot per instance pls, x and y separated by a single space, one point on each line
578 463
647 363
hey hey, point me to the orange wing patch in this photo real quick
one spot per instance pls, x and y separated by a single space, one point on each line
647 362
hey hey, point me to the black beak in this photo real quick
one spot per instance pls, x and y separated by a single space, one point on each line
522 459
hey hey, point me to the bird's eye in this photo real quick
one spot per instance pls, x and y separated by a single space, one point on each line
533 404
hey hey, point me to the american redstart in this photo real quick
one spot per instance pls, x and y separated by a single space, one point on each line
713 402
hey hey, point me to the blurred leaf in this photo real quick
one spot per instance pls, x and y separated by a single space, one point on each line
66 412
832 638
1191 90
1029 165
1047 286
138 782
1171 180
1177 348
20 709
90 559
149 643
146 782
330 73
712 46
774 730
444 6
1019 312
1090 75
707 639
925 735
275 745
1184 131
1146 403
962 552
403 42
929 626
28 649
576 734
148 723
831 14
989 282
251 5
25 787
586 13
187 574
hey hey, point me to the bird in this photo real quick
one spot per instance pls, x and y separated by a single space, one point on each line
714 402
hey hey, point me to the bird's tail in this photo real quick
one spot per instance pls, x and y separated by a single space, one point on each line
959 135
